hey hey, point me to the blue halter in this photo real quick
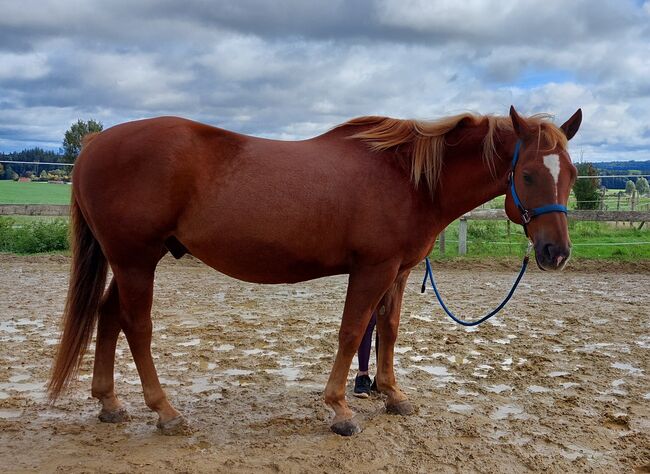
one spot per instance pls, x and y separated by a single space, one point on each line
526 214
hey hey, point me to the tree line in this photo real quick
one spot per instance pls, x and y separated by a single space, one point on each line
71 146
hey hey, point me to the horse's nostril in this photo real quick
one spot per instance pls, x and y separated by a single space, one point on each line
547 252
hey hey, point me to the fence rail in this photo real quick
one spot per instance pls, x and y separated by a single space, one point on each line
597 215
34 209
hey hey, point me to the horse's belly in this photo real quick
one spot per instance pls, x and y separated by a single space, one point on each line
265 262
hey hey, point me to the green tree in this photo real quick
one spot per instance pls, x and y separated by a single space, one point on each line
642 186
9 172
2 171
629 187
74 136
587 190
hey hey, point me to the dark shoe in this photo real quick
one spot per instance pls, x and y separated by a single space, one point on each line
362 385
373 387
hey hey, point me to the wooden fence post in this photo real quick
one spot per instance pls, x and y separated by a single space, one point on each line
462 236
441 242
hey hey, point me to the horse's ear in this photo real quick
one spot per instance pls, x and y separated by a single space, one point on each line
519 124
571 126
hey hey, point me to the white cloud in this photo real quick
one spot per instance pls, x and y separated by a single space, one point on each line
293 69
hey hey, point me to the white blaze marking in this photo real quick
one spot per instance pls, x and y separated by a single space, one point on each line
552 162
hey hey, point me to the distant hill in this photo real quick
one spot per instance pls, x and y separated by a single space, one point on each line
619 168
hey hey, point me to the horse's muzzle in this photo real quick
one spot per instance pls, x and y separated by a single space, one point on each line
552 256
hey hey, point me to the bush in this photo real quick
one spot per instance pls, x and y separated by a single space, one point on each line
587 190
34 237
6 230
587 229
484 230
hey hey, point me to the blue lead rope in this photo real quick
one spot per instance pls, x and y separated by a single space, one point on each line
429 274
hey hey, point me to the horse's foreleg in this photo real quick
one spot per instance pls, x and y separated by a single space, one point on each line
388 315
365 288
135 287
108 330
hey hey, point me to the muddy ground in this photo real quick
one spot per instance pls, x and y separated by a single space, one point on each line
556 383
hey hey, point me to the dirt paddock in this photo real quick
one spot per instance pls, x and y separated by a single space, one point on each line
557 383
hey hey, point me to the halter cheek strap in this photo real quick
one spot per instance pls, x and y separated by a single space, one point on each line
528 214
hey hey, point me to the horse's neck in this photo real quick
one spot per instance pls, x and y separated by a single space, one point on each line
467 181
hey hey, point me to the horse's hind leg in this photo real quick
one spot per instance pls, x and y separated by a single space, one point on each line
135 287
108 330
388 314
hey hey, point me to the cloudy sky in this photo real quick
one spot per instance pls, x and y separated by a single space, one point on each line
294 68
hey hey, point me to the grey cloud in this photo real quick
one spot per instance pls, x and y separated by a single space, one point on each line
290 69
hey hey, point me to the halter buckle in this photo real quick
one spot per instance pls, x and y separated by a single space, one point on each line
525 216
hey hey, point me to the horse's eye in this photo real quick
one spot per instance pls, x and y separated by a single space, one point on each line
528 179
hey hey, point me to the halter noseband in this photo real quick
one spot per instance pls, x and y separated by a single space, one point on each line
528 214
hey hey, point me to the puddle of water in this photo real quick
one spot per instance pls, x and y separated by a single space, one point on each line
460 408
166 381
290 374
193 342
189 324
224 347
235 372
436 370
252 351
7 414
23 387
558 373
592 347
646 396
628 368
464 392
421 318
505 411
203 385
205 365
8 327
502 341
569 384
303 350
19 378
498 388
538 389
402 350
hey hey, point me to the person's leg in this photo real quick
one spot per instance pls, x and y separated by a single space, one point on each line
363 354
362 381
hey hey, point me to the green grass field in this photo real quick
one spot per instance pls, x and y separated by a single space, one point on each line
12 192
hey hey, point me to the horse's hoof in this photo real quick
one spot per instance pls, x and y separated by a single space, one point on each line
346 428
403 408
175 427
114 416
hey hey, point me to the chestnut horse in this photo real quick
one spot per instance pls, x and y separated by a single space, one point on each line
366 199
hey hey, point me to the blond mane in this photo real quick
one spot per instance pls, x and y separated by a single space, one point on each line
428 139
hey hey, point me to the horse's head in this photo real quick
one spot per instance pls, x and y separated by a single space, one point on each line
542 177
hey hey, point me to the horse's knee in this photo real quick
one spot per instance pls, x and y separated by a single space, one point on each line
135 325
349 340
